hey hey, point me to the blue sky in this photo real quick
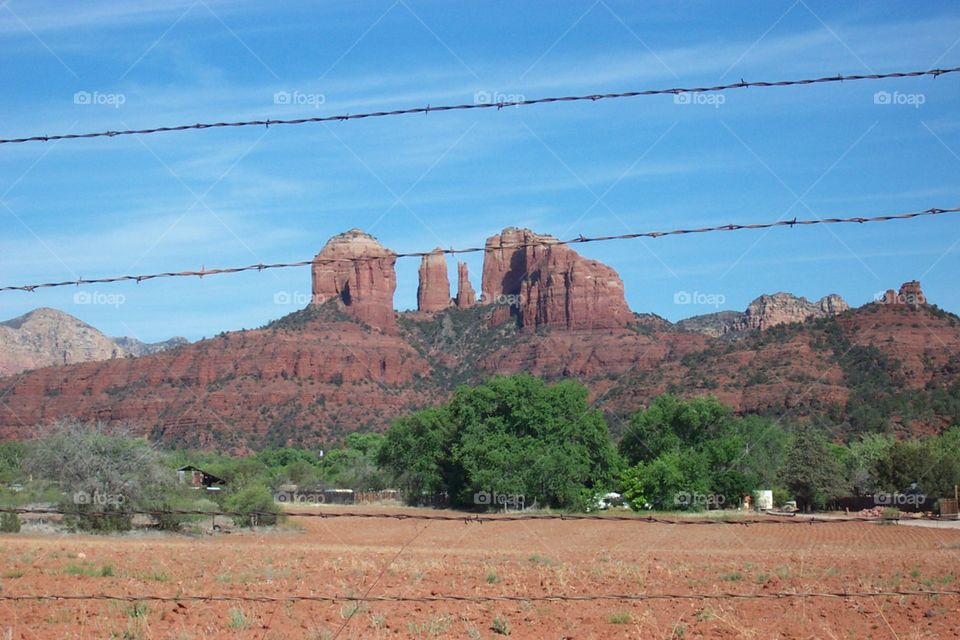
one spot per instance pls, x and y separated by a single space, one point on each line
239 196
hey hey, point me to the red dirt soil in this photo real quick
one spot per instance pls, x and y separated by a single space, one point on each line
407 558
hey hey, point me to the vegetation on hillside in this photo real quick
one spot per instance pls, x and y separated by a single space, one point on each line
513 441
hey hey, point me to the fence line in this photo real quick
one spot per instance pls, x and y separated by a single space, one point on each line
544 242
479 104
620 597
465 518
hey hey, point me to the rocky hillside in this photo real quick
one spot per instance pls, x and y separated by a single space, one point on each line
47 337
763 313
350 362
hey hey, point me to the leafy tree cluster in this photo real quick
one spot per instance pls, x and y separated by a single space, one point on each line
695 453
698 448
513 436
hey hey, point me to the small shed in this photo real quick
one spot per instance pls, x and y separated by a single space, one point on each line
198 478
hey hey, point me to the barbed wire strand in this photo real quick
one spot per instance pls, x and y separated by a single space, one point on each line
465 518
544 242
631 597
498 105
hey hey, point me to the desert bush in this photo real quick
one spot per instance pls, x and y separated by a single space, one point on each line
9 523
253 498
102 472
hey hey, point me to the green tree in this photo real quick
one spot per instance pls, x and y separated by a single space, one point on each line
734 455
254 498
670 423
811 471
510 435
100 470
674 480
865 456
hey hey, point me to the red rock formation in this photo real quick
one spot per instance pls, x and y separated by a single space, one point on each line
466 296
433 293
551 284
504 263
365 287
912 294
313 382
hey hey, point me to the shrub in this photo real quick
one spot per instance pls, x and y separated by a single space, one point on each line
101 470
9 523
254 498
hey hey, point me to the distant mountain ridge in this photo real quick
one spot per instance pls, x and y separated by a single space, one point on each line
349 362
765 312
48 337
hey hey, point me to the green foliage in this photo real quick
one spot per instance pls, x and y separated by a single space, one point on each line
101 471
253 498
811 471
11 459
932 463
511 435
666 480
671 423
695 453
9 523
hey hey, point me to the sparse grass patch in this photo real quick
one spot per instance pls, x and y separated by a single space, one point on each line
237 619
352 609
492 578
138 610
762 578
733 576
540 560
500 626
431 627
88 570
13 574
619 617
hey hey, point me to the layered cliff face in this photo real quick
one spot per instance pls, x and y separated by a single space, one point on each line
466 296
358 271
301 379
551 285
48 337
433 292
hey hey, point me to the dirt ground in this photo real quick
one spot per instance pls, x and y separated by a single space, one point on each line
390 557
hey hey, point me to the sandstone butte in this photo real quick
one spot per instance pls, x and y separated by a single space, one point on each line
550 284
358 271
466 296
433 292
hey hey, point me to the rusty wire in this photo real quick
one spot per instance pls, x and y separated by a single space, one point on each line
544 241
487 105
466 518
629 597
